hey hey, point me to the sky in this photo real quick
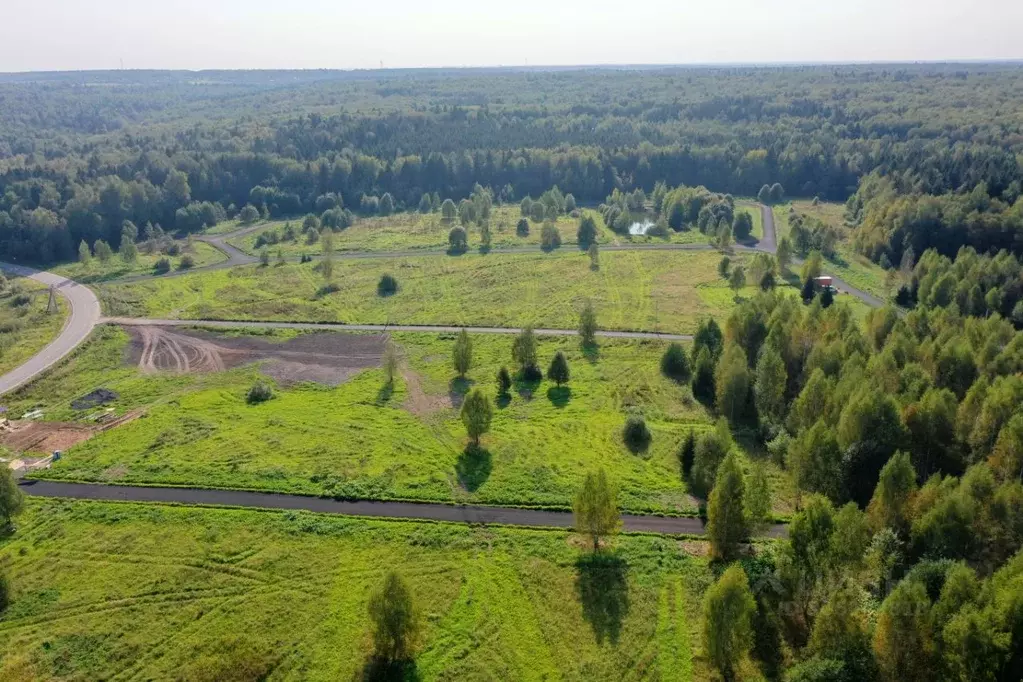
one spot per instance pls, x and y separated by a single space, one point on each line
43 35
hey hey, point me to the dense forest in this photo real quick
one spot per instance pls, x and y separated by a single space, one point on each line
82 153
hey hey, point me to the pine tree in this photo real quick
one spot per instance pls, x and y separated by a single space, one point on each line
687 454
558 372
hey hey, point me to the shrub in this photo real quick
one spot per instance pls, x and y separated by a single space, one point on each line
636 434
550 238
259 393
522 229
531 373
186 262
387 286
675 364
162 266
173 249
458 240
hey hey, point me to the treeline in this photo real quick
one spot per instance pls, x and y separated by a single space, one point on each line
894 217
905 443
403 135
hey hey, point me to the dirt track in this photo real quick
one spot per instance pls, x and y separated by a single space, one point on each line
323 358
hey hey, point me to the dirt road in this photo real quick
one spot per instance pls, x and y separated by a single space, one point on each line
396 510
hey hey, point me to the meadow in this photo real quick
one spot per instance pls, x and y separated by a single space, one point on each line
120 591
25 326
666 291
115 268
856 269
413 231
363 440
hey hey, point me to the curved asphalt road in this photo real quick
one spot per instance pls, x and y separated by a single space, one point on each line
85 313
401 510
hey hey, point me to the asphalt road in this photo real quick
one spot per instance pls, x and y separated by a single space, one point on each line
340 327
85 313
396 510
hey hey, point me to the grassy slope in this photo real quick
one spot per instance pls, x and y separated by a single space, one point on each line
202 253
27 329
159 592
404 231
661 291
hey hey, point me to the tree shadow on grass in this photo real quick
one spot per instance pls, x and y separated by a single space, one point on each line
385 393
379 670
559 395
503 400
525 384
458 388
603 590
473 467
591 352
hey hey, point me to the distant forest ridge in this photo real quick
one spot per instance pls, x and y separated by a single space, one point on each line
82 152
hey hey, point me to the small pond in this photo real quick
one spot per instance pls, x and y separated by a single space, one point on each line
640 229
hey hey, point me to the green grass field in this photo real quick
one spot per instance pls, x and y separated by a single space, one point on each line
657 291
25 326
97 271
411 231
120 591
852 267
360 440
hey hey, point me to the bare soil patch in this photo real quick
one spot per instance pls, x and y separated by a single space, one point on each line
327 358
417 401
45 437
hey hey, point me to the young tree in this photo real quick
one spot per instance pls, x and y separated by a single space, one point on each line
723 266
524 349
588 326
594 254
264 257
777 193
522 227
550 238
764 195
504 381
769 386
395 621
486 238
889 507
737 280
675 363
476 415
731 381
281 260
386 204
711 449
784 254
248 214
742 225
758 498
558 371
587 232
102 251
448 211
903 640
727 524
327 266
687 454
703 376
537 211
425 204
327 240
12 500
129 252
812 266
462 353
596 508
728 610
84 254
390 362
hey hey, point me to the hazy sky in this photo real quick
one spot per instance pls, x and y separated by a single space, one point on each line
204 34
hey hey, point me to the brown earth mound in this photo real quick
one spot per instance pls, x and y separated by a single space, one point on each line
326 358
